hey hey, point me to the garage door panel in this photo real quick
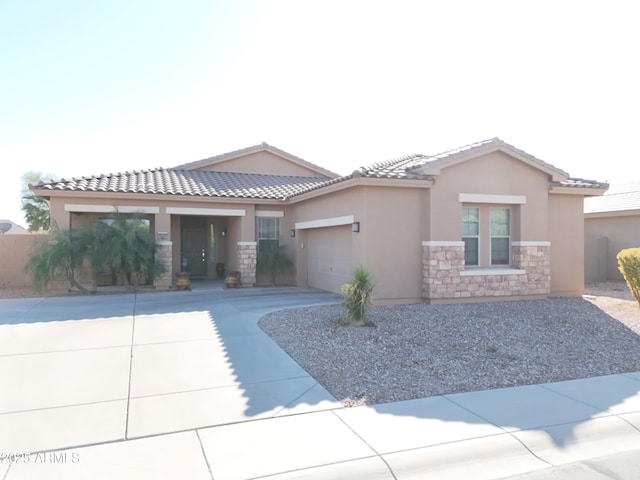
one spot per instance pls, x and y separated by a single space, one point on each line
329 257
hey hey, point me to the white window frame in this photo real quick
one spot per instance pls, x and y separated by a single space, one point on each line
260 234
497 236
477 236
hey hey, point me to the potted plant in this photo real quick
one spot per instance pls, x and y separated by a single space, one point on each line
232 280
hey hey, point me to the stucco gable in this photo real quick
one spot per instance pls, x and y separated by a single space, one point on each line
437 163
263 159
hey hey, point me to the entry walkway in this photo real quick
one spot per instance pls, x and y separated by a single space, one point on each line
185 385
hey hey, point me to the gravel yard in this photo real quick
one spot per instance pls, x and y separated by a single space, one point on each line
414 351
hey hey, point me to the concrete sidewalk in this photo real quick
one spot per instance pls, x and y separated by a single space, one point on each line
185 385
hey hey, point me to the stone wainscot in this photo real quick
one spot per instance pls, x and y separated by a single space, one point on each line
446 278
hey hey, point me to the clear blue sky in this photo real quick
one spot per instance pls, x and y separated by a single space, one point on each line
91 87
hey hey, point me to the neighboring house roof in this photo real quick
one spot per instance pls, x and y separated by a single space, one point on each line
10 228
190 183
623 197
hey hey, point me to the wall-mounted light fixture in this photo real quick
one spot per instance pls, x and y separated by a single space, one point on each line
292 233
355 227
223 233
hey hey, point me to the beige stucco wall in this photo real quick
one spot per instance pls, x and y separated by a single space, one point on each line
605 236
566 232
492 174
262 162
338 204
392 220
393 226
15 251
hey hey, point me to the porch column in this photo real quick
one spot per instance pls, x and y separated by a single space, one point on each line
247 259
163 255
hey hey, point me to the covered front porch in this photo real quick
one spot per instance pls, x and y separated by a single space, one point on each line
206 243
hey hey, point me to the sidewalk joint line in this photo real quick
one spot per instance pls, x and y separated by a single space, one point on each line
575 399
6 474
47 352
303 469
366 443
627 421
219 387
295 400
510 433
42 300
71 405
204 453
133 331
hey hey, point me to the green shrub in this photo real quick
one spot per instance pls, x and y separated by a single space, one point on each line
123 245
60 257
629 266
272 259
356 295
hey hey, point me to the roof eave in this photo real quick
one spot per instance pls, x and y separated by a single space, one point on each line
168 197
357 181
584 191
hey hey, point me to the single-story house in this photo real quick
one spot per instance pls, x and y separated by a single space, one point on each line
612 223
483 221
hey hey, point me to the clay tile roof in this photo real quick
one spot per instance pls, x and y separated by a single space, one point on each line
581 183
395 168
189 182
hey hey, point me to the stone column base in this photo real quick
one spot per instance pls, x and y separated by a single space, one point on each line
247 260
164 281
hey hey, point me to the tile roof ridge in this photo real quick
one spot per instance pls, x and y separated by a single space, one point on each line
471 146
390 162
497 142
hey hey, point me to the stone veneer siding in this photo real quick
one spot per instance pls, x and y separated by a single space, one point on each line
247 259
163 255
445 277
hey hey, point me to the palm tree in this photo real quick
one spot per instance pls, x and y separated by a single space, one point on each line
61 256
121 243
124 244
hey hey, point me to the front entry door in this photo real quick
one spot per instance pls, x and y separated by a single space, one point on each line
194 246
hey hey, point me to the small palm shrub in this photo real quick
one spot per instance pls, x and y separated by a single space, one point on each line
629 266
60 257
356 296
123 245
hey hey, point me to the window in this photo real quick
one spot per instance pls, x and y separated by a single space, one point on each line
471 235
500 234
268 231
486 233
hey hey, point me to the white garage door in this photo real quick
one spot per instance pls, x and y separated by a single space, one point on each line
329 257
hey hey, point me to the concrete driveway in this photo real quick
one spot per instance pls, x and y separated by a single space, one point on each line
185 385
78 371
